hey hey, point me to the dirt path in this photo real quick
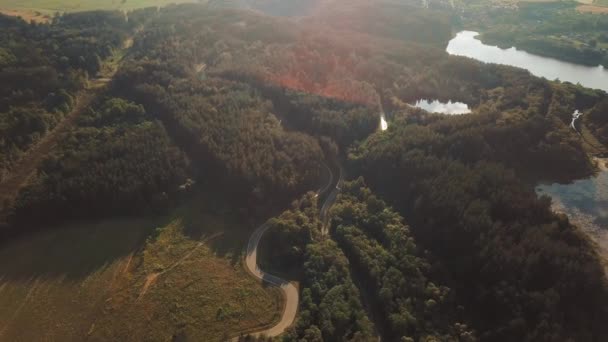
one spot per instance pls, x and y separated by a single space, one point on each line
151 278
28 297
590 142
28 164
25 168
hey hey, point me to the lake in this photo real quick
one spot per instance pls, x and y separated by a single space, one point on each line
465 44
585 202
435 106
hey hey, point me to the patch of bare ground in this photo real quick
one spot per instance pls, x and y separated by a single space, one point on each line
27 15
592 9
133 280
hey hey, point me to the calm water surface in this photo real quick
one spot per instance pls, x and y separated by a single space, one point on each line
585 202
584 197
465 44
435 106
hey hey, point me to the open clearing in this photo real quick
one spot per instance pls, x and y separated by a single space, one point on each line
592 9
27 15
124 280
49 7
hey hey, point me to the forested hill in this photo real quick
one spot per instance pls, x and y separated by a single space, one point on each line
443 237
42 68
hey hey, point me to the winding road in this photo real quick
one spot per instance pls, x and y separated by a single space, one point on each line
290 291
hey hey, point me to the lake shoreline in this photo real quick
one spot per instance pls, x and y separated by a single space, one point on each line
467 44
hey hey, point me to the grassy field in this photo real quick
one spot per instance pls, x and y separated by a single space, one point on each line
125 280
42 10
52 6
598 9
593 6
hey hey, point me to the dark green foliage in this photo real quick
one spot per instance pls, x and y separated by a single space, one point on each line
515 112
330 308
598 118
115 162
232 89
285 242
343 121
42 67
387 260
523 273
228 129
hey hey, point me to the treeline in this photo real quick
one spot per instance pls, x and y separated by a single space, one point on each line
523 273
227 129
117 161
397 20
284 244
513 111
321 80
598 120
393 271
330 307
43 66
344 122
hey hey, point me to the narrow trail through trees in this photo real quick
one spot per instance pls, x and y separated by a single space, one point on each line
21 173
28 164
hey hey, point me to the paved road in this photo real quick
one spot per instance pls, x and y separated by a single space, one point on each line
290 291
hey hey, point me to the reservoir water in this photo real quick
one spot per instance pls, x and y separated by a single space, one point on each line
585 202
435 106
465 44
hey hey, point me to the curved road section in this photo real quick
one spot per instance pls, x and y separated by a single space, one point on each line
289 290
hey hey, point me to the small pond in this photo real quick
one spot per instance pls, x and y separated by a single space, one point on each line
436 106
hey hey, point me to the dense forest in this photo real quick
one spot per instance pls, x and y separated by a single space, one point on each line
227 129
522 271
393 271
117 161
330 308
252 107
42 68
